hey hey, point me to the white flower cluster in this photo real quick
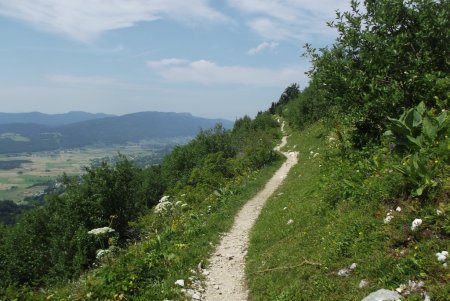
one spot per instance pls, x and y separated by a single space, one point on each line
102 252
165 205
100 231
442 257
416 224
389 217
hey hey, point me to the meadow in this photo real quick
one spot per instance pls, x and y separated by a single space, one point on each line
33 172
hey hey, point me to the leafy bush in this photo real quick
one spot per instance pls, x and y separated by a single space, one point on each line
420 136
389 55
51 243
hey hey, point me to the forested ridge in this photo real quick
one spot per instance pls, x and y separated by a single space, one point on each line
100 130
366 208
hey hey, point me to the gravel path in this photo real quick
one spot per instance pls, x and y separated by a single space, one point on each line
226 272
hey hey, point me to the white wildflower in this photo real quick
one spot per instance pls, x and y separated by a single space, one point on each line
416 224
398 209
442 256
100 231
315 155
163 205
439 212
100 253
164 199
290 222
401 288
389 217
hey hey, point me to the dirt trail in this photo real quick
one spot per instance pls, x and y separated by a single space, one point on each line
226 275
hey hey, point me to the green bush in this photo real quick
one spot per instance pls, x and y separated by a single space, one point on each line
389 55
420 136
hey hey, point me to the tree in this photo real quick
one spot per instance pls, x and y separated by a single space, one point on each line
390 55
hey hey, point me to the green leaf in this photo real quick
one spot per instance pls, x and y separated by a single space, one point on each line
416 141
441 118
428 129
421 108
415 161
399 128
417 119
420 190
399 169
409 119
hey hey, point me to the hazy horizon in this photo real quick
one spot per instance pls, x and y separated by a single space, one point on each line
214 59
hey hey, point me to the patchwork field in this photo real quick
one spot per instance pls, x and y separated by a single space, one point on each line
27 174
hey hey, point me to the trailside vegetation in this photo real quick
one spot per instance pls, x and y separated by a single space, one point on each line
95 221
370 200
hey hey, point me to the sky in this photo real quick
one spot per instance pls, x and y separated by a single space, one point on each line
212 58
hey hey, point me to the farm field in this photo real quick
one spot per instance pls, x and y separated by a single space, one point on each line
27 174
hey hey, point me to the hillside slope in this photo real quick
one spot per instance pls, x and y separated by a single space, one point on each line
49 119
24 137
337 222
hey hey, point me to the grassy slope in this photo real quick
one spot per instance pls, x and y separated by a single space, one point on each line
283 259
148 270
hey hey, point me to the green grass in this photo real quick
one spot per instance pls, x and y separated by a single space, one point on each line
148 270
300 261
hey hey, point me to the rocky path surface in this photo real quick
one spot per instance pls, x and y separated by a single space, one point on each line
225 278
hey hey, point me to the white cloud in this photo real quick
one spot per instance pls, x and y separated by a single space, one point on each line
166 62
209 73
84 20
288 19
262 46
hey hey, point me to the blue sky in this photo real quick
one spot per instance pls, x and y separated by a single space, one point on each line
216 58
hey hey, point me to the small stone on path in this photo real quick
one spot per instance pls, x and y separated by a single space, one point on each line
180 282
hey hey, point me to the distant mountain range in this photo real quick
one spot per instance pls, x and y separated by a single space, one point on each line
49 119
32 132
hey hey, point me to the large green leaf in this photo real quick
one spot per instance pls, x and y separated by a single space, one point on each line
398 127
417 141
409 119
442 118
417 118
429 129
421 108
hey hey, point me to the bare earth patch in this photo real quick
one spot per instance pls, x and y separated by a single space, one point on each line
226 271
